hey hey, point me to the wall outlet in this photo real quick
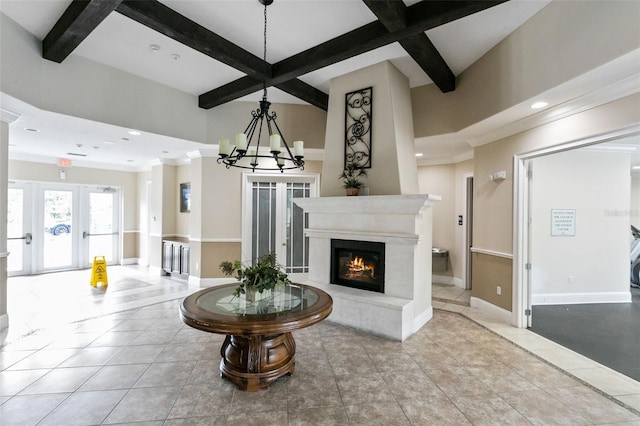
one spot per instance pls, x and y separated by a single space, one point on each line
499 290
571 280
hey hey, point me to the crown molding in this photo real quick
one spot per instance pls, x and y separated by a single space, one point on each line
7 116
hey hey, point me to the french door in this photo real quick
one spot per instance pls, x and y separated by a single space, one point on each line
53 227
19 229
273 223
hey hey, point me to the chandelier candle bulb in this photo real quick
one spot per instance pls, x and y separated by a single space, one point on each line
274 143
280 161
241 142
254 159
298 149
224 147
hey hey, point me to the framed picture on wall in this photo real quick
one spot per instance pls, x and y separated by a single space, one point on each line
185 197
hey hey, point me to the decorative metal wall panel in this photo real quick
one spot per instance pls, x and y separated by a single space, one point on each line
358 131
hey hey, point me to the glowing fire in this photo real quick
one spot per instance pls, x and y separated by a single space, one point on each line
357 266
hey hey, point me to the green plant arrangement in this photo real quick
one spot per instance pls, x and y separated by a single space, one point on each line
264 275
351 176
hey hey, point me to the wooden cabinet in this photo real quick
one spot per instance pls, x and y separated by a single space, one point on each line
175 258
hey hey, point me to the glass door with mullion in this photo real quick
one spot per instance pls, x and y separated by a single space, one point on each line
57 227
100 225
277 224
19 229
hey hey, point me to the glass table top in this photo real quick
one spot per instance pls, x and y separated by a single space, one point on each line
283 299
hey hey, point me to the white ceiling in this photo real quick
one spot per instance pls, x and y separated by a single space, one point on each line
294 25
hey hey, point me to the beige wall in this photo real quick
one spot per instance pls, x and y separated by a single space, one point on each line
561 42
182 218
440 180
489 273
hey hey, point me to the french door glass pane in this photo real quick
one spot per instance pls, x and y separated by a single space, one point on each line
58 233
101 238
263 219
15 229
297 243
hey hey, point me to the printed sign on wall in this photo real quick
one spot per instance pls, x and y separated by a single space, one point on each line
563 223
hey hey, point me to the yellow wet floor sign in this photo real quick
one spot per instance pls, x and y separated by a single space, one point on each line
99 272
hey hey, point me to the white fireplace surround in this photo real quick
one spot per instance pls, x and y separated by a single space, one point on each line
404 224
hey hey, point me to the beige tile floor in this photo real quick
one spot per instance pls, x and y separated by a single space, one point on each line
134 362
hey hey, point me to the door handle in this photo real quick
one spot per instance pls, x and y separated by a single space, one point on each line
27 238
85 234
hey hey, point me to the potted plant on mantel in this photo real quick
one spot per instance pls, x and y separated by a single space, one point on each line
351 178
265 275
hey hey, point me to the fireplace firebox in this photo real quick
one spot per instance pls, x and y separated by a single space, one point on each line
358 264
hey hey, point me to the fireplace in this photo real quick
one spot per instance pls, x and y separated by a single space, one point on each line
358 264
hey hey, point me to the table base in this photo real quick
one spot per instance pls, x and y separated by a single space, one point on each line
254 362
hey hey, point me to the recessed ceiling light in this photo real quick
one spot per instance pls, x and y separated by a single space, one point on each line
419 154
31 130
134 132
538 105
175 56
154 47
165 152
130 161
125 139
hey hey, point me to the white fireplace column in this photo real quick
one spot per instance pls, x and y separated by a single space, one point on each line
404 224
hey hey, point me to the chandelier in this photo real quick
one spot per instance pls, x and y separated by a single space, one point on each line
246 154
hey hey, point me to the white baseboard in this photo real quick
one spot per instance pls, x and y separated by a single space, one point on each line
209 282
130 261
491 309
448 280
422 319
580 298
4 321
143 262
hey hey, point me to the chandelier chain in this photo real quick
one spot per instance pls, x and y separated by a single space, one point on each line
264 54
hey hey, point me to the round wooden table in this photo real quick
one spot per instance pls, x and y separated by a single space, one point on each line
259 347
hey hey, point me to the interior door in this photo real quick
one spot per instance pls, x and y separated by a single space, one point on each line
19 229
276 224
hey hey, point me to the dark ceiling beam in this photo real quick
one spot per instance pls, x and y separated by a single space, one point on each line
420 17
422 50
170 23
393 15
75 24
306 92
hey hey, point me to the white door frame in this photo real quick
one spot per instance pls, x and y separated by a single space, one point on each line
521 299
247 180
466 257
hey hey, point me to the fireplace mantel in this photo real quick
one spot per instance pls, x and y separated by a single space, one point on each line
380 204
404 224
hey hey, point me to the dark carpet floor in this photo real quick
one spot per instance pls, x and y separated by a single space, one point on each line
608 333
